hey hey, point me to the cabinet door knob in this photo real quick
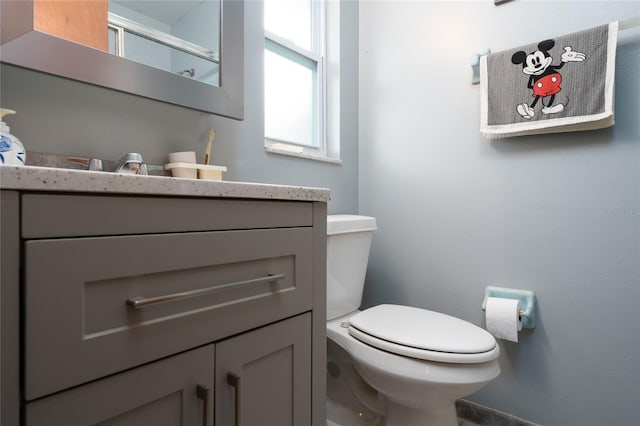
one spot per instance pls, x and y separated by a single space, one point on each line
204 393
234 381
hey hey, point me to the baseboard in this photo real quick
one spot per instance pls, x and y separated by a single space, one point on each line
486 416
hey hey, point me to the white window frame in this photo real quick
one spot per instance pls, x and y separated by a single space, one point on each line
325 53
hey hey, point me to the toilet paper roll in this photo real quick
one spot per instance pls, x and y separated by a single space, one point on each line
503 319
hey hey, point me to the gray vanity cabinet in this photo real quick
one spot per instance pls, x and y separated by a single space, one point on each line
258 378
169 392
163 310
195 288
269 383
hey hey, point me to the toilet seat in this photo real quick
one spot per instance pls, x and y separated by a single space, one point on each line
423 334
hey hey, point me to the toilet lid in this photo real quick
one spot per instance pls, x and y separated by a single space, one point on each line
423 334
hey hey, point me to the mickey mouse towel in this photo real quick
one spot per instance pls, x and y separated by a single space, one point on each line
563 84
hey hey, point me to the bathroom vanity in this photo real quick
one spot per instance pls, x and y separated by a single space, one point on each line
150 300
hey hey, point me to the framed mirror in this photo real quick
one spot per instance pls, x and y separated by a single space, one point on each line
182 37
202 74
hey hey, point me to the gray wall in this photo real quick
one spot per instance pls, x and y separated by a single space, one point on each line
556 214
63 116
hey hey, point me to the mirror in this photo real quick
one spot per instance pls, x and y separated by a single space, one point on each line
176 36
149 48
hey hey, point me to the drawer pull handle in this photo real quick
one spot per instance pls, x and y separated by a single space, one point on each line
203 393
233 380
141 302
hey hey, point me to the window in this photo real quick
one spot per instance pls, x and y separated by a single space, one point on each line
295 77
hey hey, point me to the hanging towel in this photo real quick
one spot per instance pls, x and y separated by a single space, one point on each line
563 84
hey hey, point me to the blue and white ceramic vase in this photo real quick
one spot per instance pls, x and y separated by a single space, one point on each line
11 149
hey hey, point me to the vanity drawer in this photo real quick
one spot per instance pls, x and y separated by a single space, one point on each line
221 283
77 215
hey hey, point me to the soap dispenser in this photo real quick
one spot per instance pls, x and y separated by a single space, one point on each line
11 149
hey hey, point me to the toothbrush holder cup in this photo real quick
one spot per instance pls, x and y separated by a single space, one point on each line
183 157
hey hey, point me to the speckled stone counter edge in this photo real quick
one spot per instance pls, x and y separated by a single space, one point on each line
37 178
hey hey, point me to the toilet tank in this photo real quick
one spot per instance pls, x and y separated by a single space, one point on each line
348 243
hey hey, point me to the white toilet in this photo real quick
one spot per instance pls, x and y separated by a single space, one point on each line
393 365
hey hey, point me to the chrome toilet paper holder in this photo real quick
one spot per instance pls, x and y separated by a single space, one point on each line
527 302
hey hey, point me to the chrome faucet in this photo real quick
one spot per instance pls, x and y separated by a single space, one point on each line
93 164
132 164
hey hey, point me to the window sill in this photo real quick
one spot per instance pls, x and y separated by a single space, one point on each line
303 155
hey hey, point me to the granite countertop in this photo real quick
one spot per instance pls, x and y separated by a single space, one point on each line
36 178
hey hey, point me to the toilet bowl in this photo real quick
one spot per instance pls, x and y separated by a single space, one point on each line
404 365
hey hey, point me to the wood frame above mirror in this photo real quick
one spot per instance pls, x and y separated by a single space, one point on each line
25 45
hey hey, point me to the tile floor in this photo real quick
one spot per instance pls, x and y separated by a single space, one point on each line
469 414
461 422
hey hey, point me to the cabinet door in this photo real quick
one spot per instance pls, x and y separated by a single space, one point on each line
174 391
263 377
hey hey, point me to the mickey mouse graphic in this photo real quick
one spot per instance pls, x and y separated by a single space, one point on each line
544 78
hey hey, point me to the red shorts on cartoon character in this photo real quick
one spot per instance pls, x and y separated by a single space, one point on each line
547 85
